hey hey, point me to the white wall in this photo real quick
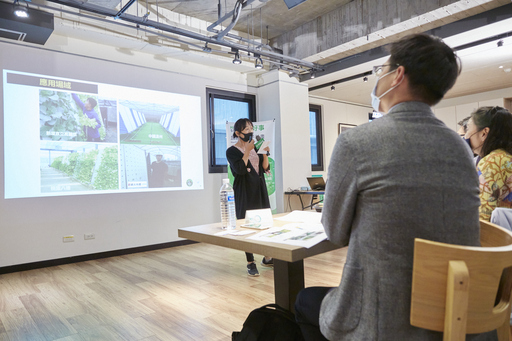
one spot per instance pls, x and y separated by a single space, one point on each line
133 57
31 229
450 111
453 110
333 113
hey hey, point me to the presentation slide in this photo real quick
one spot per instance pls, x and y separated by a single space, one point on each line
70 137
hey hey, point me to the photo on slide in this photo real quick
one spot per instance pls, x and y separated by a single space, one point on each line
108 116
149 166
149 123
77 167
65 116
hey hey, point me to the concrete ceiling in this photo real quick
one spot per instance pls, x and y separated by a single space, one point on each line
485 67
318 31
255 18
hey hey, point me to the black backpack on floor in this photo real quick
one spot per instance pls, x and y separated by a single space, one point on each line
269 323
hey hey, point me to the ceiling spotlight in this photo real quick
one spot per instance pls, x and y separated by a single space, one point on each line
333 88
500 43
19 10
293 73
365 79
313 75
206 48
258 63
237 60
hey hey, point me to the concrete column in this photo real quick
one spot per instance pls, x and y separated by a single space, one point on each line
286 100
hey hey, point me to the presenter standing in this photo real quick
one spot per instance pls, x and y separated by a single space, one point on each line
248 168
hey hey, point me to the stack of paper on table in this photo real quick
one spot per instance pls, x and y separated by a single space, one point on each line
304 230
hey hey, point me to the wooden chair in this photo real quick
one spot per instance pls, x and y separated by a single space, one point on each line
463 290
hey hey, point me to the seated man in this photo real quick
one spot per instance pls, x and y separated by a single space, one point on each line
403 176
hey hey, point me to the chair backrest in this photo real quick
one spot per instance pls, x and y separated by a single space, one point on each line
486 294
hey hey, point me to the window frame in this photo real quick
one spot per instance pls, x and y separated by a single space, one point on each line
211 95
318 167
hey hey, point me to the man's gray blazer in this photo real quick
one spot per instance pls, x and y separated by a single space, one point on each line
402 176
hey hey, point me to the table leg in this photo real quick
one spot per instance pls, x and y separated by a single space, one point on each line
288 281
301 203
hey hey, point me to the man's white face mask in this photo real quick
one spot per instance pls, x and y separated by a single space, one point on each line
375 98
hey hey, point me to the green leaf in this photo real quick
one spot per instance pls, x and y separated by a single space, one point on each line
43 117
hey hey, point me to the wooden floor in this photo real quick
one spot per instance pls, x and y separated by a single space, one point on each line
192 292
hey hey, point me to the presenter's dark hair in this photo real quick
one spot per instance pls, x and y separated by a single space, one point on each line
431 66
499 122
240 125
92 102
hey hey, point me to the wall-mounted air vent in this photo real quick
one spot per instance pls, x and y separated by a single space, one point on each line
10 34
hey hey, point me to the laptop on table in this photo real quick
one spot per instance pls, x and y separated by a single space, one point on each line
316 183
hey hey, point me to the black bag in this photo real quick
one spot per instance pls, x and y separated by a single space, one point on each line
269 323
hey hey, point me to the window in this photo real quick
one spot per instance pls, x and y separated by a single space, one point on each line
225 106
315 134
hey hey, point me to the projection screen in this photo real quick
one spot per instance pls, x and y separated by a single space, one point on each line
68 136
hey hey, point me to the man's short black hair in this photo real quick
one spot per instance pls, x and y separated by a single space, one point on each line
431 66
92 102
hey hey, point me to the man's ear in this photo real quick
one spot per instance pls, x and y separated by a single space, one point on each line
399 75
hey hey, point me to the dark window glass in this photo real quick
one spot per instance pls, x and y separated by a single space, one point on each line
315 133
225 106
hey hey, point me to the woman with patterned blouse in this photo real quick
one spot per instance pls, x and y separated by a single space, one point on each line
489 135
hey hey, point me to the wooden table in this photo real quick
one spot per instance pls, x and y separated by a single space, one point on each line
288 259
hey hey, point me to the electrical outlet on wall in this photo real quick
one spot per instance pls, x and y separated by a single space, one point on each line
68 239
88 236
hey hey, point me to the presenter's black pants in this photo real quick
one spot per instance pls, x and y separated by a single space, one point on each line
249 257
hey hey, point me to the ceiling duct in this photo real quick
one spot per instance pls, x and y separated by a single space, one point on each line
36 29
270 56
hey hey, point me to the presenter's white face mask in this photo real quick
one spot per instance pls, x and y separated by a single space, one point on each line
375 98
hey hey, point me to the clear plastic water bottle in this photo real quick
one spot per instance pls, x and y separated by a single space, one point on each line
227 206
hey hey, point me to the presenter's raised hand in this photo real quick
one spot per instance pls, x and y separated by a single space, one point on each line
249 145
